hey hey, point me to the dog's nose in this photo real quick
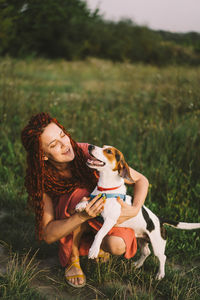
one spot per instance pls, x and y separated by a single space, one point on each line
91 147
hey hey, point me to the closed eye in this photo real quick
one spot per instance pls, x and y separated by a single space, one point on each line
53 145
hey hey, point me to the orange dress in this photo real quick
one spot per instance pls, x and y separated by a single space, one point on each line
66 203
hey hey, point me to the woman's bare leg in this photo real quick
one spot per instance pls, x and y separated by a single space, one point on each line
76 269
114 245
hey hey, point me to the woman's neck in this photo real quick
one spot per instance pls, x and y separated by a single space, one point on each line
62 168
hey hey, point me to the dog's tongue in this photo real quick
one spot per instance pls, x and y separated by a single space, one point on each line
95 162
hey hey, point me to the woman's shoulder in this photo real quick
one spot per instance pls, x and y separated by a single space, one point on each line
48 204
47 199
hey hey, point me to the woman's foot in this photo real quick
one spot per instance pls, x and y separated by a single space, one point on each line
74 274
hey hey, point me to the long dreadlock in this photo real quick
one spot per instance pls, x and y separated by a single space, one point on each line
41 177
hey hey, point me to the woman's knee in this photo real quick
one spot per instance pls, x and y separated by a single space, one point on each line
114 245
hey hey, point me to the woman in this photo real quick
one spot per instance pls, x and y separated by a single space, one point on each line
57 178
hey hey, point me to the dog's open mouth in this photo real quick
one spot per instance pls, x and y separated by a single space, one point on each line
94 162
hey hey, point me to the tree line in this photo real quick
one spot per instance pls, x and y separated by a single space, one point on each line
68 29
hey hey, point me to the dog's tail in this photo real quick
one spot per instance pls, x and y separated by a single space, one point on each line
180 225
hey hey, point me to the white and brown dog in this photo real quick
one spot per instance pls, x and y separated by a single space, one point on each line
147 226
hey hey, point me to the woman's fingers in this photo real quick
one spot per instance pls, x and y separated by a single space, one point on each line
95 206
121 202
92 202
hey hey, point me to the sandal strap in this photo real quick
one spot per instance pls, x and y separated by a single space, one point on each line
75 263
102 253
75 276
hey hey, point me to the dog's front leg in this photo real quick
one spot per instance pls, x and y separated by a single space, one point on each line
81 206
107 225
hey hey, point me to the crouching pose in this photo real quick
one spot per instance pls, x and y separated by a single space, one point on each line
57 179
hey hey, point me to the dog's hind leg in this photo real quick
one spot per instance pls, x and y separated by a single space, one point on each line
158 245
145 252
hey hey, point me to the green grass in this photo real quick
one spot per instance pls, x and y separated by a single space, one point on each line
15 282
152 115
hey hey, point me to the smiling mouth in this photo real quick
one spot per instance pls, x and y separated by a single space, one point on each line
66 152
94 162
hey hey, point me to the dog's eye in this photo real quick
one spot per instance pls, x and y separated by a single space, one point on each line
108 151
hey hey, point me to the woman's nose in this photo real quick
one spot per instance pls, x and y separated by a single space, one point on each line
62 144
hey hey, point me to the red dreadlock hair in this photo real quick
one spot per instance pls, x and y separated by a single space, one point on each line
42 177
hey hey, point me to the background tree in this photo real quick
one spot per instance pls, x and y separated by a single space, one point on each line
68 29
48 28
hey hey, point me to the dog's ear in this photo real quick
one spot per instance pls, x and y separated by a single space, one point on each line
124 171
123 167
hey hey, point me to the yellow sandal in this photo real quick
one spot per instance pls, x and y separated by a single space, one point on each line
76 264
103 256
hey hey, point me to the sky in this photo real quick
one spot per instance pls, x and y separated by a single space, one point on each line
170 15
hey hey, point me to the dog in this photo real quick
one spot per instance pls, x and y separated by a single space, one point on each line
113 169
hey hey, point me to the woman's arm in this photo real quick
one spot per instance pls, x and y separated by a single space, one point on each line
140 192
54 230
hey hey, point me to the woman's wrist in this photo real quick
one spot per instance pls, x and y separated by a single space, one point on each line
135 210
83 216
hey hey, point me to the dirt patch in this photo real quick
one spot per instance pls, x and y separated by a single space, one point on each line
51 292
45 284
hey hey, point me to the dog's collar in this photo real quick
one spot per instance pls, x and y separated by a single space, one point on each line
99 188
122 196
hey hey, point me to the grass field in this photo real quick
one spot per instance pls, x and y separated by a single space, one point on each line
153 116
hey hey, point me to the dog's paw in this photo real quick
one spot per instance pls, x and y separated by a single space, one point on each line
138 264
81 206
160 276
93 252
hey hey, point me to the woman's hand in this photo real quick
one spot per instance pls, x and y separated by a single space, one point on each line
93 208
127 211
140 192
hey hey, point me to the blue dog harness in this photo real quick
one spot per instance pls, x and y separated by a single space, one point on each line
122 196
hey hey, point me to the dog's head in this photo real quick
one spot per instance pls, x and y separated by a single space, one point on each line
106 158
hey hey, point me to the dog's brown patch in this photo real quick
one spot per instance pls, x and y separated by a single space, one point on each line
110 154
114 155
120 161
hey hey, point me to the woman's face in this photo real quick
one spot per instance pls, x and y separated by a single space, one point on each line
56 144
